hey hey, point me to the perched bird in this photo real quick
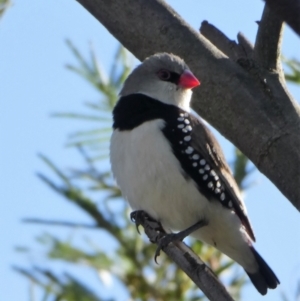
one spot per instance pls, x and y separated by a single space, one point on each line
168 164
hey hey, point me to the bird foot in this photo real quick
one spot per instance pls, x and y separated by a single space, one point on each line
165 239
139 217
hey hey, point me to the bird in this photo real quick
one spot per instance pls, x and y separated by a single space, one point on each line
168 164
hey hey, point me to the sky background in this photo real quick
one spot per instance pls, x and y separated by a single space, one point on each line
35 83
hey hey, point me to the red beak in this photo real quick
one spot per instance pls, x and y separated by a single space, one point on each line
188 80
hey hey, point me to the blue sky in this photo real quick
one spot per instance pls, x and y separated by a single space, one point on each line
34 84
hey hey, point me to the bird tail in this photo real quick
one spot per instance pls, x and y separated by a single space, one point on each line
264 278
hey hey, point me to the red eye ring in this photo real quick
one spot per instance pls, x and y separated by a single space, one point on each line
164 74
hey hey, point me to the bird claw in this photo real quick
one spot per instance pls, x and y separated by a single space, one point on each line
139 217
136 217
162 239
163 242
157 253
172 237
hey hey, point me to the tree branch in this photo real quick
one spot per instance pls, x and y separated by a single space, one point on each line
256 113
288 11
189 262
234 50
246 45
59 223
268 41
221 41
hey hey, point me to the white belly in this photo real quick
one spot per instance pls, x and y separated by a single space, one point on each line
148 174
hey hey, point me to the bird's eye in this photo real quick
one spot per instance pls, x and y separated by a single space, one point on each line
164 74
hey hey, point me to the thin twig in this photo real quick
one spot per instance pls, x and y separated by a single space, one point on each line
234 50
220 40
190 263
59 223
268 41
246 45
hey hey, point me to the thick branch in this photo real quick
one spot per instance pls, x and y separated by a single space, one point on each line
190 263
256 113
288 11
268 41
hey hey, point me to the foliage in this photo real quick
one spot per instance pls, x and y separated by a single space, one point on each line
4 5
131 262
294 71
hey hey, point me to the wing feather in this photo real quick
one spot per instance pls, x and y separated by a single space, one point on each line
213 154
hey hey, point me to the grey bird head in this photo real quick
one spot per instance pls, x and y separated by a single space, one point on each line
162 76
